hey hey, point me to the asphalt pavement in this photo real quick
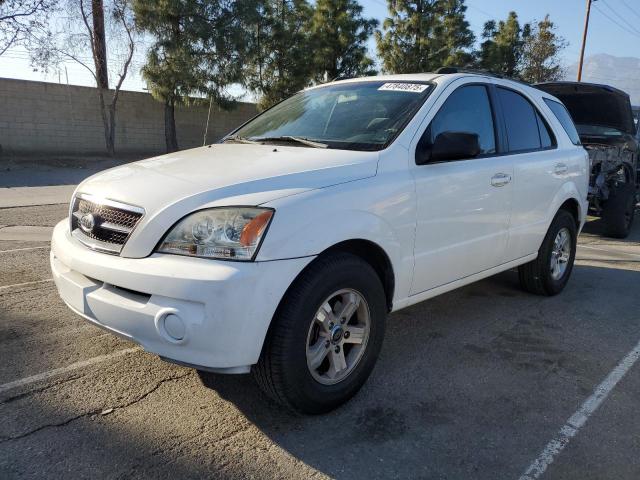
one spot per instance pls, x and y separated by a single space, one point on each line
484 382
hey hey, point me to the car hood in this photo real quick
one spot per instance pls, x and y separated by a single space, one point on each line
594 104
170 186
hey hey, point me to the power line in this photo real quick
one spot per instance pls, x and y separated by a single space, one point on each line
621 18
631 32
484 12
380 2
633 10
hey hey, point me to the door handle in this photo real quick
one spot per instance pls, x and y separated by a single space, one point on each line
560 169
500 179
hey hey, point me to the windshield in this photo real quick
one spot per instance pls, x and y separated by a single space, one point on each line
352 116
598 131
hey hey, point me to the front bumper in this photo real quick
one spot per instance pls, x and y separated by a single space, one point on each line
205 313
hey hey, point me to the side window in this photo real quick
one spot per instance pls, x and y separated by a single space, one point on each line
466 110
561 113
546 134
521 121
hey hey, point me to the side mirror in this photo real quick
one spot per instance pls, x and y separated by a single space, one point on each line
449 146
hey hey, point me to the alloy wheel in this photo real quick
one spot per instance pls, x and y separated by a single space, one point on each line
338 336
560 253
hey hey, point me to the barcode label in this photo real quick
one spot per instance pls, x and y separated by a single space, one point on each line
404 87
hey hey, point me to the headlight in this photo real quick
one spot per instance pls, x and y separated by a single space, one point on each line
225 233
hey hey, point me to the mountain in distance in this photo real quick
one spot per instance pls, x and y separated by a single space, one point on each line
619 72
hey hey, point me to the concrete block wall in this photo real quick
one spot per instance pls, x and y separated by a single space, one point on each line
52 118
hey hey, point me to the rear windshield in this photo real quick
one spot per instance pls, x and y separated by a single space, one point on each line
352 116
598 131
562 114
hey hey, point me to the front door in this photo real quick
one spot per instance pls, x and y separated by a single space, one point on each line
463 206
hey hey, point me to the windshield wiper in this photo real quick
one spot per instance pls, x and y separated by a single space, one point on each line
290 138
238 139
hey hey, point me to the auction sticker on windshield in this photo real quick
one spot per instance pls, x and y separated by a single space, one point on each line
405 87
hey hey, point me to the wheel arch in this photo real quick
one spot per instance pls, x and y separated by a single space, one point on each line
374 255
570 198
572 206
367 250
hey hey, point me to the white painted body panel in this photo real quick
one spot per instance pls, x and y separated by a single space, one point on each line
538 188
440 225
226 306
170 186
462 221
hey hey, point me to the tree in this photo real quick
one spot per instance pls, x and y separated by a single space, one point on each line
501 51
339 34
83 30
540 56
456 38
277 56
423 35
194 53
18 18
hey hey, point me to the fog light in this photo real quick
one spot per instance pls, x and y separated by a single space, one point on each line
174 326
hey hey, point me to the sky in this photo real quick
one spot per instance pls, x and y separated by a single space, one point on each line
614 29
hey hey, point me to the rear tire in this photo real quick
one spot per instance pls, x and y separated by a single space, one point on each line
619 210
547 275
284 371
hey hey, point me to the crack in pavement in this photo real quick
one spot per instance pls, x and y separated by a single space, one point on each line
96 411
49 425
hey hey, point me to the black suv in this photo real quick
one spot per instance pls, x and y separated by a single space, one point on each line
605 123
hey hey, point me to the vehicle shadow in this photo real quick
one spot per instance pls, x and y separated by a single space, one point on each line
595 227
470 384
457 377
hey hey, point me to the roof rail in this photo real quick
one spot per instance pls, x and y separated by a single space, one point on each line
447 70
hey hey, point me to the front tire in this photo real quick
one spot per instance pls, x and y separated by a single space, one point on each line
549 273
325 337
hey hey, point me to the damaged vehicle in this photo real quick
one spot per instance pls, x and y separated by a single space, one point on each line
605 124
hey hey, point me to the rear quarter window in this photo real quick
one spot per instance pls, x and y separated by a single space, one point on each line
562 114
521 121
547 139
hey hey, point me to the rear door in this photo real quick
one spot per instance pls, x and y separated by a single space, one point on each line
463 206
540 169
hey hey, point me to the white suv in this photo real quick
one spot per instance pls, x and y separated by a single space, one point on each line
281 249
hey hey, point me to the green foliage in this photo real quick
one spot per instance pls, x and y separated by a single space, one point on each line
277 54
338 37
456 38
194 51
422 35
540 58
278 47
501 51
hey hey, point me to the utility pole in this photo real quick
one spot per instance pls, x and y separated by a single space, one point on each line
584 39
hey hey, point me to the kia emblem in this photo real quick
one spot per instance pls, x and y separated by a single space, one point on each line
87 222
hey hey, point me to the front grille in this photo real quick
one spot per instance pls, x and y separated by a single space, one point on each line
103 224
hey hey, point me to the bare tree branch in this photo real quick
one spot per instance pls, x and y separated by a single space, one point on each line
20 17
75 35
10 43
37 6
120 13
